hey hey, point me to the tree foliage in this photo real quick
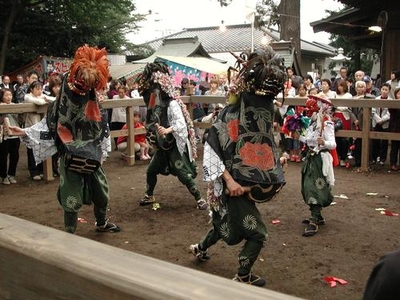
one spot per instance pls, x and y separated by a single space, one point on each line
30 28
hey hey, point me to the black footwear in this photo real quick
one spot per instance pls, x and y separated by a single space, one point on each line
250 279
147 200
311 229
108 227
319 222
200 254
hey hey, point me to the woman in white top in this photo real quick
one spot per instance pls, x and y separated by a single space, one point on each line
346 115
118 115
326 88
37 97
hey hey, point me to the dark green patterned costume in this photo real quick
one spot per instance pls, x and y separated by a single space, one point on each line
241 142
175 152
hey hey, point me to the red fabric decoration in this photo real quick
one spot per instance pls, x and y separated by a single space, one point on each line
333 281
335 157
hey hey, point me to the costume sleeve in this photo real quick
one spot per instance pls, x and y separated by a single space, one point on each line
329 136
213 166
176 119
39 139
106 145
35 100
208 118
178 123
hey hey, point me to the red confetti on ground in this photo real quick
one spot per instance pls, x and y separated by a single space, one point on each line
389 213
333 281
82 220
275 222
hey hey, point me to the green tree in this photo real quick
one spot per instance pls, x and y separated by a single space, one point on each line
30 28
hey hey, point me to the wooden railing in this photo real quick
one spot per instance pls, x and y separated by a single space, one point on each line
366 134
39 262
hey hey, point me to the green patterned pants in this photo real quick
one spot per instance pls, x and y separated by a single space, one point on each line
77 189
242 221
167 162
315 189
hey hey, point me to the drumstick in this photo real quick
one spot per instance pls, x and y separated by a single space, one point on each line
157 126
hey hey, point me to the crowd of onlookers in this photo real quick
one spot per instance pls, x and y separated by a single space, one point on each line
362 86
347 118
31 89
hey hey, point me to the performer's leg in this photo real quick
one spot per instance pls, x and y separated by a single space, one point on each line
211 238
186 171
315 220
97 188
70 196
157 163
200 250
70 221
152 171
246 222
248 256
316 215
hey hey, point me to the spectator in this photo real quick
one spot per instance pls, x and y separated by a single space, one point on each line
394 82
369 88
118 115
222 84
140 145
184 90
15 87
24 88
326 88
358 122
9 147
5 83
380 122
346 115
394 126
308 82
37 97
342 75
295 79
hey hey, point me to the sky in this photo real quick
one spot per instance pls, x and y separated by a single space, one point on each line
169 16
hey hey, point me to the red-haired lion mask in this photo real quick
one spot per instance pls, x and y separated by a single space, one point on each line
89 70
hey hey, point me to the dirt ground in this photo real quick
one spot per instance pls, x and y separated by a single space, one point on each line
347 247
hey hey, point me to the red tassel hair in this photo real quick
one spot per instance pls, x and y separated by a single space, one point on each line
89 68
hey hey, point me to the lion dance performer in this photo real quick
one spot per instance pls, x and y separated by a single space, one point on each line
170 131
317 175
242 164
80 133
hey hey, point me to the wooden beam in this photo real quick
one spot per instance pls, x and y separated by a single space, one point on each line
39 262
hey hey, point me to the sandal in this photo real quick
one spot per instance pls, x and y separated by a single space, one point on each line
108 227
202 204
319 222
311 229
250 279
147 200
